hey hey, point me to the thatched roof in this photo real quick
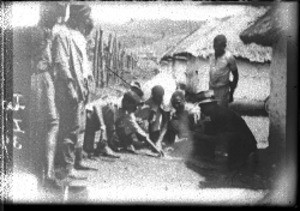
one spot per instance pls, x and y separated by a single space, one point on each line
266 30
200 43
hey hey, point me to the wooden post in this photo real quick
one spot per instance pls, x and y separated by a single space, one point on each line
100 59
114 58
131 70
132 61
108 61
122 63
95 65
117 60
127 62
104 63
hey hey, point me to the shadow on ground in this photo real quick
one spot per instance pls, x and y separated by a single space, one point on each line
217 176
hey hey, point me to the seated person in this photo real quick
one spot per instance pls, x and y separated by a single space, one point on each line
227 128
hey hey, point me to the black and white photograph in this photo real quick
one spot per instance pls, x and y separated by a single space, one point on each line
149 103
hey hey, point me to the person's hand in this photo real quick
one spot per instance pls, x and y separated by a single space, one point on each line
103 128
232 86
230 98
72 92
232 89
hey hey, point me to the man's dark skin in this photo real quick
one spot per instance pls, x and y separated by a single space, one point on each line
219 45
226 127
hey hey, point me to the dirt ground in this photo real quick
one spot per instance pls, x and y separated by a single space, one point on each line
145 178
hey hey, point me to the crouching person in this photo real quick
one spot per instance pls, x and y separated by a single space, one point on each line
127 128
100 116
157 118
226 128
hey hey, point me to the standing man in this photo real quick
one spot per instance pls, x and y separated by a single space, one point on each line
70 63
44 115
222 63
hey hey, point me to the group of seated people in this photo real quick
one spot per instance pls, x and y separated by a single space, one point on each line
134 123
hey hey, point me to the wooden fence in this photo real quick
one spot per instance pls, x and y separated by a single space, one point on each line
110 60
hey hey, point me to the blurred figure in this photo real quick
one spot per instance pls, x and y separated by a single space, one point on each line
226 128
44 114
70 58
222 63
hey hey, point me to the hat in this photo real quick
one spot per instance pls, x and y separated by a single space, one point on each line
136 87
204 95
131 97
135 84
206 101
79 11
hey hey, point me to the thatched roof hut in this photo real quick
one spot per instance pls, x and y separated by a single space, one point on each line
267 29
199 43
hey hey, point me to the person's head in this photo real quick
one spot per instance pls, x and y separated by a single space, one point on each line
157 94
220 43
178 100
79 16
89 25
136 87
50 12
131 101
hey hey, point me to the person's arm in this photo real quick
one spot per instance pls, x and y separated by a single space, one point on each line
137 129
135 126
162 135
98 110
234 70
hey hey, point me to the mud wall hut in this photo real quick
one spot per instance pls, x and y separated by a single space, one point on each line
274 29
277 29
190 55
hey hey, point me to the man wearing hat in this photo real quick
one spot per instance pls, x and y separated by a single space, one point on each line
226 128
221 64
70 59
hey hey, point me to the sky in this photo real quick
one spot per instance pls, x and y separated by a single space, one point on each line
27 14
